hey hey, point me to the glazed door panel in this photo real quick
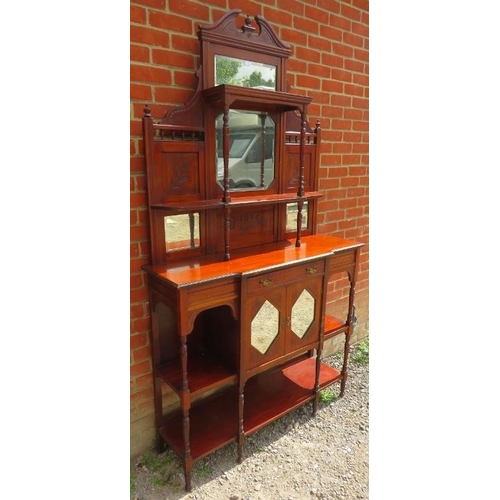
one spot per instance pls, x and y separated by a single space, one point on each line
264 332
303 308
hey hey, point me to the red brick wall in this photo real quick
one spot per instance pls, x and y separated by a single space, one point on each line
329 62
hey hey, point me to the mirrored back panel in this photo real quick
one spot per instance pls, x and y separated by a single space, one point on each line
252 143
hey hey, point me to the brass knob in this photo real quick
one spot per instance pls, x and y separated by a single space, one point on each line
266 282
312 270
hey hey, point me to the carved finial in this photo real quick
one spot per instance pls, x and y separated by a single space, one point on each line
147 111
318 125
247 27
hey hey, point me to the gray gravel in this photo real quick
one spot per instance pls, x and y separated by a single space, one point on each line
297 457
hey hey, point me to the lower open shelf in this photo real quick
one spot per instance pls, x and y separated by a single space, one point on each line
213 422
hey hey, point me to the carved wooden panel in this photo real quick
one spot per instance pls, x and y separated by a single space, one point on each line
177 172
248 226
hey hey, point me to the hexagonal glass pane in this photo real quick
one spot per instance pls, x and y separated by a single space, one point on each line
302 314
265 327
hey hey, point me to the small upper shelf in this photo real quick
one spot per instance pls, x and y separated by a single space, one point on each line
254 99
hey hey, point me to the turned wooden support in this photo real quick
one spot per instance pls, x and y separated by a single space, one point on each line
241 430
185 401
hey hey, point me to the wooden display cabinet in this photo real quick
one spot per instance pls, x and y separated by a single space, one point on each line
238 279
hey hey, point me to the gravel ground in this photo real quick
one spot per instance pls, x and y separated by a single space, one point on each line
296 457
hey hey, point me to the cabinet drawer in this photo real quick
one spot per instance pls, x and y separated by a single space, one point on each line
271 279
341 261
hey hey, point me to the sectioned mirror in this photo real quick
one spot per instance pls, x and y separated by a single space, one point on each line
251 150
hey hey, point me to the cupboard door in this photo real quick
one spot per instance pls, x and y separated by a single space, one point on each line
303 307
264 332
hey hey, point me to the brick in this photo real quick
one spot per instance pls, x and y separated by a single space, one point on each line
173 59
158 4
138 233
332 61
347 203
141 354
290 6
352 136
354 90
361 55
339 74
170 22
172 95
360 102
137 14
277 17
193 10
140 92
295 37
306 81
342 49
140 369
305 25
342 124
340 22
148 36
139 53
136 311
349 181
138 340
185 44
319 43
308 55
361 148
330 33
138 295
322 16
148 74
136 264
349 12
355 67
329 86
360 29
329 5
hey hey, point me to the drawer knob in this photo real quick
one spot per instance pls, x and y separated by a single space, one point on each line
312 270
266 282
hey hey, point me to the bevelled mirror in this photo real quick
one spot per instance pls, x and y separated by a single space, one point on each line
244 73
252 142
182 231
292 211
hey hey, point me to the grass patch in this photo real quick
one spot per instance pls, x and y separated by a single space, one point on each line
362 352
202 470
132 483
328 395
153 462
158 481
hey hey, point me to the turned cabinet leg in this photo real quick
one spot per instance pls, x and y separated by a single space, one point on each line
185 405
316 381
344 365
188 461
241 431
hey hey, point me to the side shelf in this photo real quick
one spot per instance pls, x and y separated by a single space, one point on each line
204 373
333 327
268 396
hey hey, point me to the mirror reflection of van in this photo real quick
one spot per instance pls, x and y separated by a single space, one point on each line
245 150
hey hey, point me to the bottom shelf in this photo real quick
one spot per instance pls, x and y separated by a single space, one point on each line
213 422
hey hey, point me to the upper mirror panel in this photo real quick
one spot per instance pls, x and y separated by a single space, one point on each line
232 71
251 150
